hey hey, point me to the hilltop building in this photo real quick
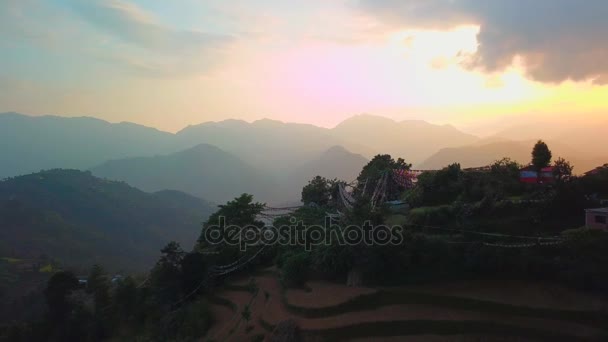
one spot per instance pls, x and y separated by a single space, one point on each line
529 175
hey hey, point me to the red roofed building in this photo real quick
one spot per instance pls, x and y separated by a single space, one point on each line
529 175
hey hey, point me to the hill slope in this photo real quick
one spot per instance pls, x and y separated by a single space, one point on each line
204 171
79 219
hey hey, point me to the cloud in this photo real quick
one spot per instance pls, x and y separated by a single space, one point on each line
557 40
136 26
109 33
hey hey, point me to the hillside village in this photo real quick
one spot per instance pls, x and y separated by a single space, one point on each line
498 229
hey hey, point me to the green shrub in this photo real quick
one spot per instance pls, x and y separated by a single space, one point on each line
295 269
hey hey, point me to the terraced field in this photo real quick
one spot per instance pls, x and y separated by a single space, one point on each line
447 312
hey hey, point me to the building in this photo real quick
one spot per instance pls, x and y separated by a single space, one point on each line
529 175
597 170
596 218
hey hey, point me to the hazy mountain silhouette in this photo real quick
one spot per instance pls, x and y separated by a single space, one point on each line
266 154
268 145
484 154
412 140
29 144
204 170
79 219
336 162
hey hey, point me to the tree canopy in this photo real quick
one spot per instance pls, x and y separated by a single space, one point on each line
541 155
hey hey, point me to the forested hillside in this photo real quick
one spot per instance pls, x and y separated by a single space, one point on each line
79 219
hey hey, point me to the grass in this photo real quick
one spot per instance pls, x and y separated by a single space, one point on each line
396 220
11 260
47 269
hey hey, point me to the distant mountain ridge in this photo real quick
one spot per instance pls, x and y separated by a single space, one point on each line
29 144
336 162
273 153
484 154
413 140
79 219
204 170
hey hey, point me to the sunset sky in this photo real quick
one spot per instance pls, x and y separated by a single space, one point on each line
168 64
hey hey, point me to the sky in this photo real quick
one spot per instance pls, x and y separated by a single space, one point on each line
169 64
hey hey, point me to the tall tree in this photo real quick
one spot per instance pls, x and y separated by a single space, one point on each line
59 287
166 274
541 155
375 169
318 191
98 285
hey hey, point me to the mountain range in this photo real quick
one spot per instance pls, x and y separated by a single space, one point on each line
271 159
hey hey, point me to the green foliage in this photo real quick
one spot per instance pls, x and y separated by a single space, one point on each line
194 270
246 313
295 269
374 170
241 211
318 191
562 170
440 187
57 291
333 260
193 321
505 177
165 276
541 155
80 220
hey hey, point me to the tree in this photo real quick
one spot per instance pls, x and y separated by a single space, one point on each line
541 156
562 170
98 285
59 287
318 191
505 176
441 186
172 254
166 274
125 297
375 169
241 211
194 271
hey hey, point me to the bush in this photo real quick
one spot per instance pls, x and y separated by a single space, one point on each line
194 320
295 269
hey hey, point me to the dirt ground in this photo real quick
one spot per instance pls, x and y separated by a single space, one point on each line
537 294
267 305
324 294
